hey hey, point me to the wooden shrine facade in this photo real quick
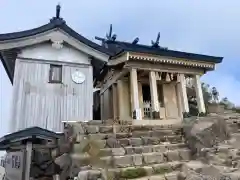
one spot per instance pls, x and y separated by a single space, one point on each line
149 83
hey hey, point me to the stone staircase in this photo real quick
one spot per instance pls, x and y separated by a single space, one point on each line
128 151
125 151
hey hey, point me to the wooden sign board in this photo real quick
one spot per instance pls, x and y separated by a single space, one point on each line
14 166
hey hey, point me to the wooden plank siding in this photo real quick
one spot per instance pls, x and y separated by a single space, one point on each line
39 103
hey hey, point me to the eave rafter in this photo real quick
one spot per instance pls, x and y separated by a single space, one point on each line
190 63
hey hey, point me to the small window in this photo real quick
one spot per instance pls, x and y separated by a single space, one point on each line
55 74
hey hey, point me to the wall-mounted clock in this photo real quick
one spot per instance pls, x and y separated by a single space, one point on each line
78 77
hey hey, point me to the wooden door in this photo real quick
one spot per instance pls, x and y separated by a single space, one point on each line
170 100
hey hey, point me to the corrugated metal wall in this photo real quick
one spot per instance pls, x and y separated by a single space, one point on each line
39 103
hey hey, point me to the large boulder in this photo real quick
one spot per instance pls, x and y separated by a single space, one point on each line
191 175
205 132
195 170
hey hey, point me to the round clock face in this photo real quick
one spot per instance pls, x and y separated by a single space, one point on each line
78 77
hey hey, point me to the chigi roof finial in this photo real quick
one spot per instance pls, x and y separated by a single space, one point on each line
110 36
58 9
57 19
156 43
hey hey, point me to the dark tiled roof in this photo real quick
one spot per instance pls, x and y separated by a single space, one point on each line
54 23
29 133
118 47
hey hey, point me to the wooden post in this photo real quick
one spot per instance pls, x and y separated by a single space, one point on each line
179 100
183 93
102 106
115 101
199 94
28 160
120 98
154 94
136 111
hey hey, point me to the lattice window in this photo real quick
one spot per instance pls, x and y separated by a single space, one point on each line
147 109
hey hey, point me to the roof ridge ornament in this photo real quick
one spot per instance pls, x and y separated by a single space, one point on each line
135 41
156 43
109 35
58 9
57 18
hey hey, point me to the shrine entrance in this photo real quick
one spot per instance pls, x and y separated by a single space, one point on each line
147 108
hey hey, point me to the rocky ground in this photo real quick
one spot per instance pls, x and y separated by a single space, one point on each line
206 148
215 145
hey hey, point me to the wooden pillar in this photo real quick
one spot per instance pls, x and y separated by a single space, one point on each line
140 96
28 160
199 94
154 95
136 111
179 100
102 106
110 103
120 97
115 101
183 94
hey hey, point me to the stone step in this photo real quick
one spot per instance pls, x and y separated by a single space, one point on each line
146 172
129 122
134 142
129 150
83 128
157 133
143 141
134 159
140 149
156 171
133 137
166 176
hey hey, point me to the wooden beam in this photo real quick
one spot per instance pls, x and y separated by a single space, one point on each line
35 146
121 58
117 75
162 68
172 60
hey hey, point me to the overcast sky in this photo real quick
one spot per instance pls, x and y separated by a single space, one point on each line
200 26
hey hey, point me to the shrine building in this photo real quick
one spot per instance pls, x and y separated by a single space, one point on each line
146 84
54 71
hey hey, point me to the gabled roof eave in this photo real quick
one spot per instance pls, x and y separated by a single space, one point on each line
54 24
140 48
9 74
